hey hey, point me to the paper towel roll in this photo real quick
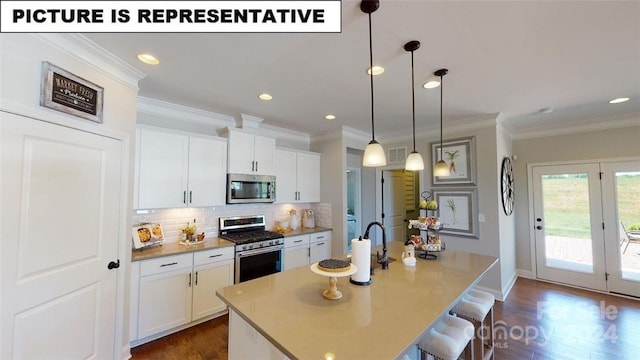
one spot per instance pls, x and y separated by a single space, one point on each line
361 258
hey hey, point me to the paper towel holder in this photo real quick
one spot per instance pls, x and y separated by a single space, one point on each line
361 283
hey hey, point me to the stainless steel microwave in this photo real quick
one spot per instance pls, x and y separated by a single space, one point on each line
243 189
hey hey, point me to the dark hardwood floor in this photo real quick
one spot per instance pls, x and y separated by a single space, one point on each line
538 321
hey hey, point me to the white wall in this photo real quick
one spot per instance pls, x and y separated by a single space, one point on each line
20 68
595 145
506 228
489 241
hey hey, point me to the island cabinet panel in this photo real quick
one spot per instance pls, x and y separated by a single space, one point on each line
174 292
251 154
245 342
178 170
320 246
297 176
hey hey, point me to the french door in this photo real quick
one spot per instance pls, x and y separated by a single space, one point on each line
577 212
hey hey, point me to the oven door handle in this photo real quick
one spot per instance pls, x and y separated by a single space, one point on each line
260 251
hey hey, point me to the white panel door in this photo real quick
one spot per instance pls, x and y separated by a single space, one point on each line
308 175
207 172
163 170
61 193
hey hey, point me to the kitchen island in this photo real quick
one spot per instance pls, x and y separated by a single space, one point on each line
285 314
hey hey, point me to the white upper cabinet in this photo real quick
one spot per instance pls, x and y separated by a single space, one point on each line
177 170
207 175
297 176
251 154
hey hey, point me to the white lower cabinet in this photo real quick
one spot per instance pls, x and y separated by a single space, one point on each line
302 250
296 251
170 292
319 246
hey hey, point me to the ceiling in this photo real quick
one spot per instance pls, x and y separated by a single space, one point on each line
508 57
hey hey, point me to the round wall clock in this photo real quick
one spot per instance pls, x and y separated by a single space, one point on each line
506 186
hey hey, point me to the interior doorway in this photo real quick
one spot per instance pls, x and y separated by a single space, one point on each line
354 214
398 192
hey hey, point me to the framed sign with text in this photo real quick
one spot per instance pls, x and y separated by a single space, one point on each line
66 92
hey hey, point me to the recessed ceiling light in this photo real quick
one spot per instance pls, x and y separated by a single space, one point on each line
618 100
148 59
265 97
330 117
377 70
431 84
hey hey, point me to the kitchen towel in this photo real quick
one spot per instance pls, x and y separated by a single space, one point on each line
361 258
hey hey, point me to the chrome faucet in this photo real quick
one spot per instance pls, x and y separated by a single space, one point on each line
384 260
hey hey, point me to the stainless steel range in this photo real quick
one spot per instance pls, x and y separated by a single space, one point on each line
259 252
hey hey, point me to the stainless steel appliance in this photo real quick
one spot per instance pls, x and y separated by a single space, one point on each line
259 252
242 189
308 218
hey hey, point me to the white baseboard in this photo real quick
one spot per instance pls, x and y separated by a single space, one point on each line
510 284
528 274
125 353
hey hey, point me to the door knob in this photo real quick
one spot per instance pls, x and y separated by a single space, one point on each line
539 227
113 265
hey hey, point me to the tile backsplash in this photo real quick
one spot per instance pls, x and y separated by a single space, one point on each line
173 220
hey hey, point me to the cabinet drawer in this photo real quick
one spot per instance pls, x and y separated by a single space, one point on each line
166 264
213 255
321 236
298 240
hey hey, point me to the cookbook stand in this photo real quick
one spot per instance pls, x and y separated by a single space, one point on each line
333 293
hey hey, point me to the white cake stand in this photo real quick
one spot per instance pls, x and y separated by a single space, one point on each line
333 293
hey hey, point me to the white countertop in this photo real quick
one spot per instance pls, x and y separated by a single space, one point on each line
379 321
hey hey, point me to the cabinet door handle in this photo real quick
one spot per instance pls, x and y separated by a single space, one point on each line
318 244
190 197
189 279
184 197
253 166
319 237
169 264
297 241
256 166
213 256
196 278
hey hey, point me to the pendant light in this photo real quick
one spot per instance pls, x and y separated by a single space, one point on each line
414 160
373 153
441 169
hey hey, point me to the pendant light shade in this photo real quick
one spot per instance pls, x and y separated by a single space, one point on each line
414 160
373 153
441 168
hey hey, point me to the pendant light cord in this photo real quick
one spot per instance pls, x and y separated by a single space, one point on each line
373 133
441 86
413 103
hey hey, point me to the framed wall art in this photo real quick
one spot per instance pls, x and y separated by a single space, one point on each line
63 91
460 156
458 212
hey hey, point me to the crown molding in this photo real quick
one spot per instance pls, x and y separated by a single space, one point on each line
450 128
93 55
586 125
183 113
